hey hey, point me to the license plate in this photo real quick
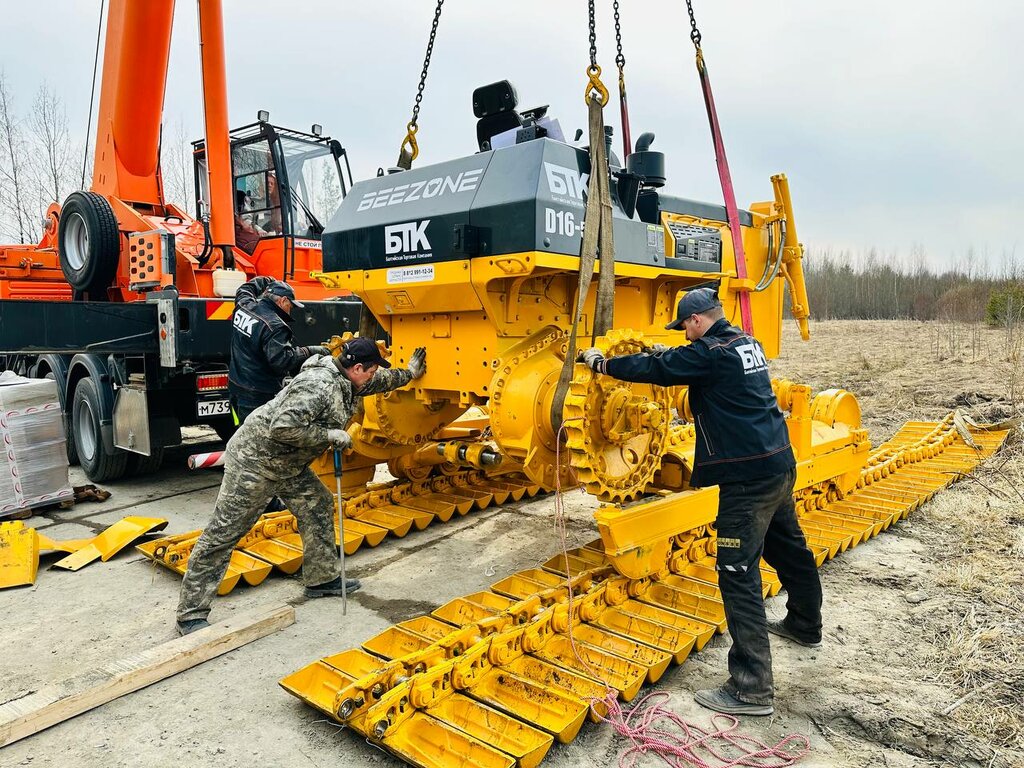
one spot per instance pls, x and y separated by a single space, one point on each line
213 408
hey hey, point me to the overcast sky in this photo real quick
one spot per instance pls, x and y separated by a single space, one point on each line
899 123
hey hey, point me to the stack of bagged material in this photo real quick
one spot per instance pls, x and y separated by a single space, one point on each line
34 468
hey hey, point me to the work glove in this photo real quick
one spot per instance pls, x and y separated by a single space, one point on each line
657 349
311 351
340 439
591 358
418 363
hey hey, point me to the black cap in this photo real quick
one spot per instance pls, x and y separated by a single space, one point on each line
281 288
360 350
694 303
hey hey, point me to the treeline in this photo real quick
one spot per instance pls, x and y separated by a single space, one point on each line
878 287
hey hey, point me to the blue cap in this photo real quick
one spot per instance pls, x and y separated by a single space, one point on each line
694 303
281 288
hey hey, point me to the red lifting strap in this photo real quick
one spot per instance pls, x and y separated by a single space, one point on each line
727 192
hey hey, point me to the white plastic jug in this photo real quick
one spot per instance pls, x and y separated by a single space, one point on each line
226 282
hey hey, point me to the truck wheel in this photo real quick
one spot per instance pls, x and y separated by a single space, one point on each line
98 465
88 243
69 440
144 465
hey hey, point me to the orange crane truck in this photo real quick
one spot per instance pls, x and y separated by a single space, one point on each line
126 300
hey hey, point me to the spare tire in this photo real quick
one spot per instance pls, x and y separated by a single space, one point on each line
88 243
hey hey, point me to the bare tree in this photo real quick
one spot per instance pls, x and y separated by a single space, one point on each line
13 169
51 141
176 162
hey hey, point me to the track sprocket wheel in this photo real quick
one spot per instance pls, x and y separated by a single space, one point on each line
617 431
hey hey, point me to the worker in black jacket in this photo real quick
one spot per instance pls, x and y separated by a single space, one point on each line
742 446
262 353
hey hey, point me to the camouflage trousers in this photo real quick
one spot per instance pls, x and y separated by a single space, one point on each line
243 497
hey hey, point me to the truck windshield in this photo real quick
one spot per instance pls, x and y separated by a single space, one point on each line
315 185
264 209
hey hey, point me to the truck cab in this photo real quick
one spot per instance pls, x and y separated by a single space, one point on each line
286 184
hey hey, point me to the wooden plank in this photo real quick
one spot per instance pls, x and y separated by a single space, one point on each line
54 704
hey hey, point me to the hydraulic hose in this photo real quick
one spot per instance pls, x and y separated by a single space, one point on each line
763 284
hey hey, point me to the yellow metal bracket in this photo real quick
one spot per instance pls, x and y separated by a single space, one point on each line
111 541
746 284
19 554
332 280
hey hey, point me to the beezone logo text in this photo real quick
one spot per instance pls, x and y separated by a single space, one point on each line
567 183
244 322
409 239
752 357
421 190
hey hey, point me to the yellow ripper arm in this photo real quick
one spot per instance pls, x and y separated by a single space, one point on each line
792 253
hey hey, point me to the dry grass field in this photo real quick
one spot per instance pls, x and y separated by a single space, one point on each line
925 625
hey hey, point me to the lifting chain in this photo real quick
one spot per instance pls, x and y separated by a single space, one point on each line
593 36
695 35
694 32
620 62
595 88
410 150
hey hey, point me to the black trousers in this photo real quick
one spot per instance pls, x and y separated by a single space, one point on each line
757 518
244 403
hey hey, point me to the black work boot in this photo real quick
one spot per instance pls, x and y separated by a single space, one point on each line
720 700
779 628
190 626
333 588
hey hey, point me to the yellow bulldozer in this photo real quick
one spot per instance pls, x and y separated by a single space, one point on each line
478 260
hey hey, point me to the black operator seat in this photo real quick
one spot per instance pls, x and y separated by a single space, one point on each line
495 107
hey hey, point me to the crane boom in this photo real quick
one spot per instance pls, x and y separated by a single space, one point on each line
135 64
215 120
135 59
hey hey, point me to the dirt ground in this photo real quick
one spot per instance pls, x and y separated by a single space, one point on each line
921 665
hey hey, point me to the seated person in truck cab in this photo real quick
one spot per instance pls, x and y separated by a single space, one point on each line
247 234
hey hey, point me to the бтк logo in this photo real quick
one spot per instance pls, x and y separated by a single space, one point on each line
752 357
244 322
566 181
411 236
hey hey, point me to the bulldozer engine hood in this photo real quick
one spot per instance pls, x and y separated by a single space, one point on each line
527 197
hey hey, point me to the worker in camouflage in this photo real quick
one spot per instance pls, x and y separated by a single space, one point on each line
270 456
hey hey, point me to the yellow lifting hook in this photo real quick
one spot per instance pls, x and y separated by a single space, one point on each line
595 87
410 142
